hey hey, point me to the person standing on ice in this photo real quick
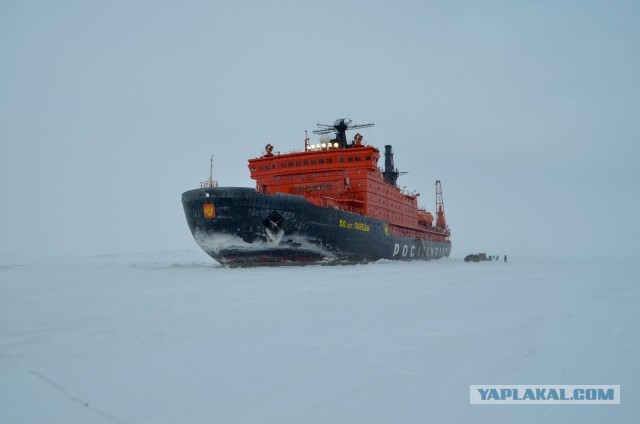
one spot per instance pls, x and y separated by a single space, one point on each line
505 259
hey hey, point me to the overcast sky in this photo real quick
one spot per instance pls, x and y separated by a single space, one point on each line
528 112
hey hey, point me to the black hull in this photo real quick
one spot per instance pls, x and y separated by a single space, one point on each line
255 229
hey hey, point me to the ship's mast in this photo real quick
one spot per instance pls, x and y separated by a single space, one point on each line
340 127
211 172
210 183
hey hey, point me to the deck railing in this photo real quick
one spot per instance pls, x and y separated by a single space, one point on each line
209 184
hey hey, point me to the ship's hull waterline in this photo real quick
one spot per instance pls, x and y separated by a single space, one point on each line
240 227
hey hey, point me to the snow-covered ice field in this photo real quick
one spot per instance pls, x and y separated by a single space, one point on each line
169 338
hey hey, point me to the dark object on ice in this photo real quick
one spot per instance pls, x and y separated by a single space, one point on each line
478 257
505 259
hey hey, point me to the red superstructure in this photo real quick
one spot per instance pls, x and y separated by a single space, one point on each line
346 176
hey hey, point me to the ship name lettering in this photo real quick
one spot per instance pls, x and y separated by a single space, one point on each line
354 225
362 227
396 249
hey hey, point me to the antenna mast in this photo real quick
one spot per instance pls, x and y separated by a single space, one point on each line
210 183
211 172
340 127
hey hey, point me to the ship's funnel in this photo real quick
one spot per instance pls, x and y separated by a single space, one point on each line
390 173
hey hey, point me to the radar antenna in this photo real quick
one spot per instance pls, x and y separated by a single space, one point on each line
340 127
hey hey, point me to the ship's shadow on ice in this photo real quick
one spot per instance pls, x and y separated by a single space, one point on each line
175 265
196 265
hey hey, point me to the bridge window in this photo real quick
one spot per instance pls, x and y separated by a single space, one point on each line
350 158
298 163
306 162
283 165
313 162
290 164
321 161
329 160
367 158
341 159
358 158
